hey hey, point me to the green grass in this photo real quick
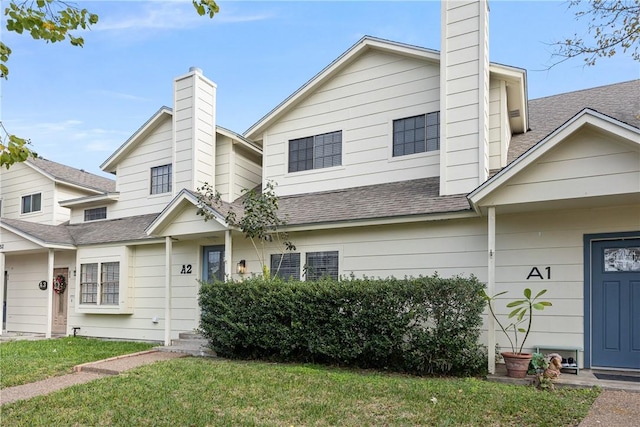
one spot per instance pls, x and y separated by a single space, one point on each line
23 362
209 392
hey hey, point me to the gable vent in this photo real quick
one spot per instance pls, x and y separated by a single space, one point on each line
514 113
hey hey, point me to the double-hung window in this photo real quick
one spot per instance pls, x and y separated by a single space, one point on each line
161 179
315 152
286 265
322 264
100 283
416 134
31 203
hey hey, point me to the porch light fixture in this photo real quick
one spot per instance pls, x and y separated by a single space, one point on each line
242 267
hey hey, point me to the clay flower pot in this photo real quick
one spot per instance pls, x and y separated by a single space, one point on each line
517 363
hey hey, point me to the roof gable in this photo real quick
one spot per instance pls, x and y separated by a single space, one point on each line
582 123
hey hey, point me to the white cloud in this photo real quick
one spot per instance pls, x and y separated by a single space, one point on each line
116 95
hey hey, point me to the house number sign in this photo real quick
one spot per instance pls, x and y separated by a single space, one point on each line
186 269
535 273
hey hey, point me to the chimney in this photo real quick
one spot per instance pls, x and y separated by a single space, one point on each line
464 96
194 130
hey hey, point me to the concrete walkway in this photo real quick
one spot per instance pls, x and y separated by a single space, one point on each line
83 374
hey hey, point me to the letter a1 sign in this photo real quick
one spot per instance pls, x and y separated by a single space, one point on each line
536 274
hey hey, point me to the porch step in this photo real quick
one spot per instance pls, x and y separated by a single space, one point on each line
191 343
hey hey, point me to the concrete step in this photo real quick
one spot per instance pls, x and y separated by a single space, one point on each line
191 343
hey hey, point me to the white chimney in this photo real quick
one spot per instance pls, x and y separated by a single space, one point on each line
464 96
194 126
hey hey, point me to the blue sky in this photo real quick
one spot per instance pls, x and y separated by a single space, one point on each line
77 105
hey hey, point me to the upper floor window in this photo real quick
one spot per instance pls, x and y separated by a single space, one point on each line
315 152
286 266
321 264
31 203
102 289
416 134
161 179
96 213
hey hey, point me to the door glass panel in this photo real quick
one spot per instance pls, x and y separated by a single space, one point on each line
622 259
213 263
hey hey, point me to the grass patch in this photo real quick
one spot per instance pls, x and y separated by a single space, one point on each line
24 362
205 392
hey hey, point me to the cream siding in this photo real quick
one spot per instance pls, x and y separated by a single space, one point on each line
224 168
362 101
21 180
587 164
247 172
64 192
134 174
26 303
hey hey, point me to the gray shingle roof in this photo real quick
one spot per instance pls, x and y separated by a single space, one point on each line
109 231
620 101
74 176
394 199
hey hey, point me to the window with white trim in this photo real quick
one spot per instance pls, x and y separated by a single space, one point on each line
416 134
161 179
315 152
31 203
286 266
321 264
95 214
100 289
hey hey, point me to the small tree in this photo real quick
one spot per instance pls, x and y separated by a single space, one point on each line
259 223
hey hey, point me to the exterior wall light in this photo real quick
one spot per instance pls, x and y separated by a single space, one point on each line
242 267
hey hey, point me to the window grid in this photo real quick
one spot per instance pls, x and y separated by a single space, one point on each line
31 203
321 264
161 179
89 284
416 134
289 267
109 283
95 214
315 152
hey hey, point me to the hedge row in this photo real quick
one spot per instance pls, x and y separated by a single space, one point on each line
425 325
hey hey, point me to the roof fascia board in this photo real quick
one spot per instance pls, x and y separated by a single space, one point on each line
34 239
584 117
109 164
168 212
106 197
367 42
381 221
240 139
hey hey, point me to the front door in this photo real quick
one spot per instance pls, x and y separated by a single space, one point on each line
616 304
60 291
213 263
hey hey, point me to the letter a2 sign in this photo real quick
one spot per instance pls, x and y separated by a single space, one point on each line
536 274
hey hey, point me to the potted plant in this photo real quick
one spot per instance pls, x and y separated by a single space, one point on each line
516 361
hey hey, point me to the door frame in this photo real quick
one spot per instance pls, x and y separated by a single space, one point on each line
64 297
589 239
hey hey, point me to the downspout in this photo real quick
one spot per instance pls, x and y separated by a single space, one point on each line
228 251
2 289
49 294
491 287
168 249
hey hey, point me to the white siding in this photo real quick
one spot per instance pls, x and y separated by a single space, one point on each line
21 180
464 89
224 169
64 192
587 164
247 171
134 175
362 101
499 129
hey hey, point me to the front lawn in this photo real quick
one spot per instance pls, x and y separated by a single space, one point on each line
213 392
23 362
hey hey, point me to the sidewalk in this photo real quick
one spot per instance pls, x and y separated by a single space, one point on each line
83 374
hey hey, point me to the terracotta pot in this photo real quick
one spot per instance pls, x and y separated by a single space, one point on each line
517 363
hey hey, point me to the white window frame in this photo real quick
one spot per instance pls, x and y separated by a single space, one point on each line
161 189
426 139
314 158
99 282
22 212
93 210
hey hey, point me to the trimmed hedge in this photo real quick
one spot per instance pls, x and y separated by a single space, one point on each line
424 325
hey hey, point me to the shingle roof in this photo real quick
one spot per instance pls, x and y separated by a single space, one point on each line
394 199
74 176
109 231
620 101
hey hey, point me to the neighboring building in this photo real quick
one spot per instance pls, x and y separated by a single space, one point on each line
394 160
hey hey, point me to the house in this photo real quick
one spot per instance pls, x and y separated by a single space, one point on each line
393 160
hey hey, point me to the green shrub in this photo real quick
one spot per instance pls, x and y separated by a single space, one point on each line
425 325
